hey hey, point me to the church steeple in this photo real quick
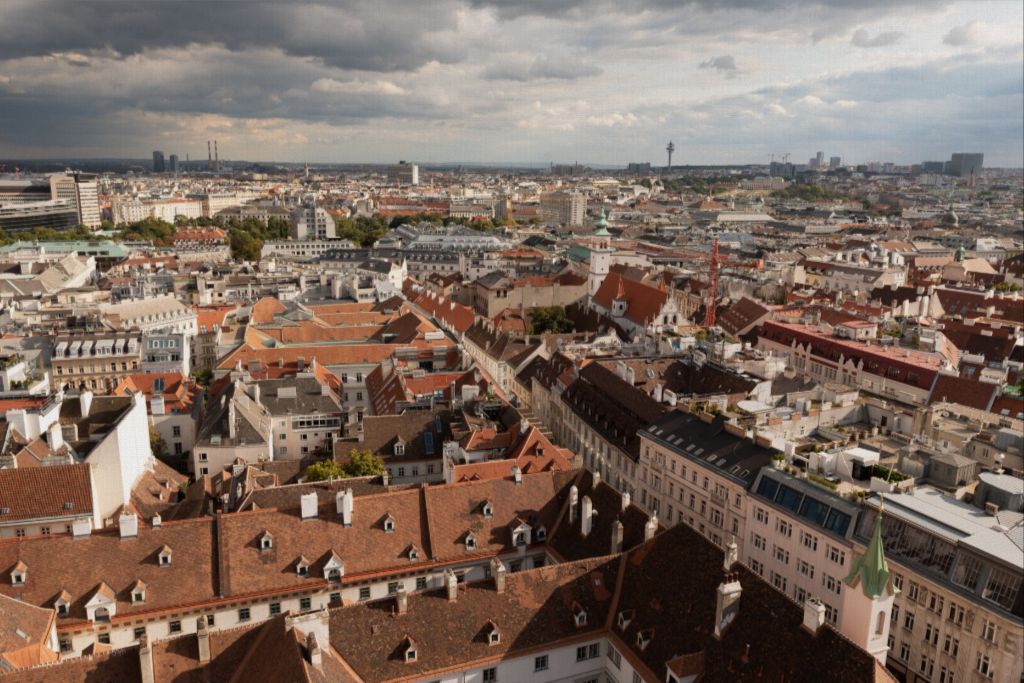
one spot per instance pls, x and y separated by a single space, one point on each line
867 597
601 226
871 569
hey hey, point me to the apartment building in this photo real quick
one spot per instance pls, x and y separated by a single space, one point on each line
500 356
166 351
236 426
563 208
96 362
957 565
81 189
306 415
164 313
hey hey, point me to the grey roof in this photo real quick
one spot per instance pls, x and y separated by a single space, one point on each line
308 397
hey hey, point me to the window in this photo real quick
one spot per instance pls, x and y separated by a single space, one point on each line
984 666
904 651
781 554
931 634
305 604
585 652
364 593
243 614
908 621
615 657
175 627
757 567
831 614
421 583
759 541
956 614
836 555
988 631
490 675
809 540
103 638
913 592
392 587
831 584
779 581
784 528
139 632
805 569
210 619
275 609
926 667
951 646
176 430
945 675
540 663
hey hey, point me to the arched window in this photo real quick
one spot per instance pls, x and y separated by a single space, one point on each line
880 624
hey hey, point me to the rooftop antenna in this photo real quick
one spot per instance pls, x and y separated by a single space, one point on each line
671 148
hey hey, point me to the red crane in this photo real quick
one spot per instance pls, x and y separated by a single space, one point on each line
711 298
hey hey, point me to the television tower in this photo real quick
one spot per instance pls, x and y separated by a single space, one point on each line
671 148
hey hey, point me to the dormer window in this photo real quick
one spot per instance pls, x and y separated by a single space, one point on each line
19 575
643 638
302 566
493 634
410 650
520 538
334 568
266 541
163 558
63 604
624 618
470 541
541 534
399 447
488 509
138 592
389 524
579 614
414 553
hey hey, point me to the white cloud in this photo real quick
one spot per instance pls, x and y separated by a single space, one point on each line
330 85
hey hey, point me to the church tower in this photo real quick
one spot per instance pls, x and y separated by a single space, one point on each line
868 596
600 256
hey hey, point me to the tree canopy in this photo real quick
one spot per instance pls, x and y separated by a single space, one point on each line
359 464
549 319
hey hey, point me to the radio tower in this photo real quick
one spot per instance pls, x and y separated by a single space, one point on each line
711 300
671 148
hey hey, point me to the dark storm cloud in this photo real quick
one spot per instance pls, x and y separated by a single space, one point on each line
386 35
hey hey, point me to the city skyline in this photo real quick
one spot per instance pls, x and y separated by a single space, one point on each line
482 82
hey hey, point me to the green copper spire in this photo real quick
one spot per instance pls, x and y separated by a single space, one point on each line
601 226
961 254
871 568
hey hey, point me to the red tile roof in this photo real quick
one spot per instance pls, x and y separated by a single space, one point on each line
45 492
644 301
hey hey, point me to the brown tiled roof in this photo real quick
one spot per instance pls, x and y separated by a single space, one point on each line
965 391
743 314
41 492
24 634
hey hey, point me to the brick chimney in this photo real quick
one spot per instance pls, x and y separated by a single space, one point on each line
128 525
626 500
452 584
650 528
727 602
313 651
499 574
402 600
617 534
586 516
203 636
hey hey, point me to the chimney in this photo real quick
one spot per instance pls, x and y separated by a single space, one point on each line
650 528
54 436
344 500
231 420
313 651
203 636
452 584
85 403
586 517
596 477
626 500
814 615
157 405
574 499
517 474
255 393
157 521
727 602
128 524
402 600
732 555
617 534
498 572
81 528
146 660
308 502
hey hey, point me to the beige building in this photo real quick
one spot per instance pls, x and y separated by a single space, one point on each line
564 208
98 362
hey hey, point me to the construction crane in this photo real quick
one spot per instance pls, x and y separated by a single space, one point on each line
711 296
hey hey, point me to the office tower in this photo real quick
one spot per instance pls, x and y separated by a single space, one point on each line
819 159
82 190
404 173
835 162
158 162
565 208
965 164
173 166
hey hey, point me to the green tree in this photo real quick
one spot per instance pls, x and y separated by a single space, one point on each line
362 464
203 377
550 319
157 444
323 470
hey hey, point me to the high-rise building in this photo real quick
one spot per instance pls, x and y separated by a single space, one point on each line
819 159
835 162
404 173
158 162
965 164
311 222
83 192
565 208
173 166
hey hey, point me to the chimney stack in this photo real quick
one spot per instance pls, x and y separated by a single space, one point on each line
128 524
255 393
517 474
586 517
308 501
650 528
814 615
617 534
574 499
85 403
203 635
344 500
402 600
81 528
316 655
54 436
596 479
498 572
727 602
626 500
452 584
146 660
732 555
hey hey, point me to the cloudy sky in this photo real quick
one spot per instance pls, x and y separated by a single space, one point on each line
599 81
